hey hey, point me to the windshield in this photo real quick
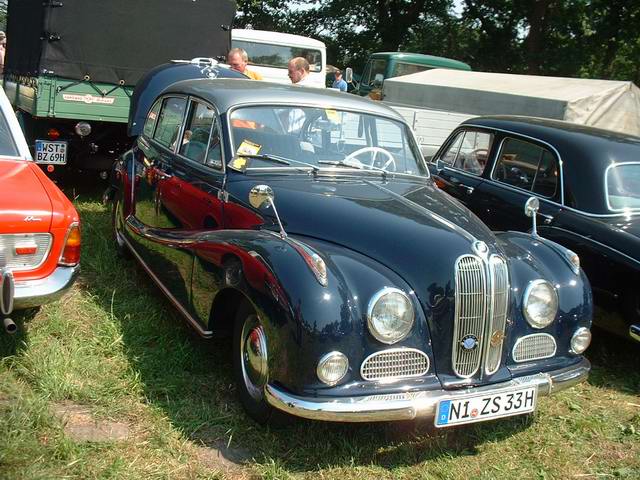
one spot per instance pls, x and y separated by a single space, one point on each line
7 145
278 56
623 187
323 138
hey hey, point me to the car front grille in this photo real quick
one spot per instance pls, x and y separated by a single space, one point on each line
395 363
534 347
481 307
10 259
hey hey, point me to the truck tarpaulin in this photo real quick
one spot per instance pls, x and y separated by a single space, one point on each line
112 41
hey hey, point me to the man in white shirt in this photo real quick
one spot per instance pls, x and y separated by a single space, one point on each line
299 71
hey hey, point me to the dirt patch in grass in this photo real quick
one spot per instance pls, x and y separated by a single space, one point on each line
81 426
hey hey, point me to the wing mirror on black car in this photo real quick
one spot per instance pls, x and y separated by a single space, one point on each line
348 75
531 210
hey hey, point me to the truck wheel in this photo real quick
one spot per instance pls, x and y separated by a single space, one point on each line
250 367
121 248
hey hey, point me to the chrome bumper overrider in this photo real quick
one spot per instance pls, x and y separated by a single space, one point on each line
32 293
410 405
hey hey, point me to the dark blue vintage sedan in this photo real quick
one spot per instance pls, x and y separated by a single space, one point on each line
304 224
587 181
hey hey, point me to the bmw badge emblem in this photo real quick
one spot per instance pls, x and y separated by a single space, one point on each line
469 342
480 248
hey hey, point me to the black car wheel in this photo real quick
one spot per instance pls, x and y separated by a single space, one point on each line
121 248
250 367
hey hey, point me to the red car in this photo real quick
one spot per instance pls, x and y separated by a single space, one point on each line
39 227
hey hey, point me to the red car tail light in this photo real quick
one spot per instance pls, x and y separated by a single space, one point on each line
71 252
26 250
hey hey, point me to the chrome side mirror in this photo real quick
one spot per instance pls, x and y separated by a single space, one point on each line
348 75
377 80
531 210
439 165
260 196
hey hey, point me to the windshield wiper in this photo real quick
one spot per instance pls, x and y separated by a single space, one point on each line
278 159
357 165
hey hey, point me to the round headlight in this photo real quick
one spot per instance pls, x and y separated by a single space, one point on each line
332 368
540 303
390 315
581 340
83 129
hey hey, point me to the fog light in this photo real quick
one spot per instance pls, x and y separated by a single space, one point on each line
581 340
332 368
83 129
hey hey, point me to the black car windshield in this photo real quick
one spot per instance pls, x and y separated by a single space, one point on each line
623 187
324 138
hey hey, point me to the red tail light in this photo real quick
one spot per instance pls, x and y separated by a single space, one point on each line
71 252
53 134
30 250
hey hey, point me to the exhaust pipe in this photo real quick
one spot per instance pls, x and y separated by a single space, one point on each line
7 290
9 326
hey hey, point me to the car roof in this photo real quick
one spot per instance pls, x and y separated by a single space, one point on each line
423 59
228 93
585 151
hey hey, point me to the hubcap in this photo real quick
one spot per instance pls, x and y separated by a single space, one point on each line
254 357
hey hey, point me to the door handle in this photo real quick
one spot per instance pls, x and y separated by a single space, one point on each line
468 189
547 219
162 175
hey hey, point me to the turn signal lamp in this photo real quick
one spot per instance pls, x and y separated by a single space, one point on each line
53 134
71 253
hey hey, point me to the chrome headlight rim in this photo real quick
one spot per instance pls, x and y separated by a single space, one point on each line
371 322
580 332
324 360
525 302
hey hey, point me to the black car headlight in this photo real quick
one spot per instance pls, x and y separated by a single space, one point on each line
540 303
390 315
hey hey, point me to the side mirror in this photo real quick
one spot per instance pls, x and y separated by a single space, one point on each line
348 75
261 195
377 80
439 165
531 210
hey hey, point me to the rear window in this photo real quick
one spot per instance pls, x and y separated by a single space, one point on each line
7 145
278 56
623 186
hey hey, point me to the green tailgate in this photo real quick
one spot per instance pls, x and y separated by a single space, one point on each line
63 98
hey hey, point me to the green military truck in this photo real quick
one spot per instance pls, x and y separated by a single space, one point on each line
383 65
71 67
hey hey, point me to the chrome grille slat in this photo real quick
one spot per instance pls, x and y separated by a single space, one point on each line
499 305
395 363
9 242
534 347
470 311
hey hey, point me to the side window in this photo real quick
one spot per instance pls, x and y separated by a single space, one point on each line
152 117
528 166
214 155
469 151
195 137
169 121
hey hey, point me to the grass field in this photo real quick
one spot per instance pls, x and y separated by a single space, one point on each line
109 383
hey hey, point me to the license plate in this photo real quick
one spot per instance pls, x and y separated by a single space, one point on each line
51 152
477 408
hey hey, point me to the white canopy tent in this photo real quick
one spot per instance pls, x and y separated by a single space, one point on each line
608 104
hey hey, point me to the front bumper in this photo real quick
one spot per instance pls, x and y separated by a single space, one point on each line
32 293
411 405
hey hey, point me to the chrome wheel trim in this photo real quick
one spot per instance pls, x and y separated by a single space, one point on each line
253 357
116 224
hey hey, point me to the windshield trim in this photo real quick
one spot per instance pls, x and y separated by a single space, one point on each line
411 136
606 188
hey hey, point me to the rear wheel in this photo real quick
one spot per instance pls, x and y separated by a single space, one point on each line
250 367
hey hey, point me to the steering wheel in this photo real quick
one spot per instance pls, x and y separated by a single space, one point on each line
374 151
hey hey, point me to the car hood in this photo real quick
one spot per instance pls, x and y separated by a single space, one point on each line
25 206
410 226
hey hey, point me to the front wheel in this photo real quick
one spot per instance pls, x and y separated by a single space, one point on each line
250 367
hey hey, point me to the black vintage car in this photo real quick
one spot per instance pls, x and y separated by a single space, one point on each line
303 224
587 181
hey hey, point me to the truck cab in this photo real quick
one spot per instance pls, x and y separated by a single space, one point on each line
383 65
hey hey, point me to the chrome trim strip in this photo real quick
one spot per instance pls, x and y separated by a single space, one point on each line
411 405
634 332
32 293
531 339
606 188
392 351
192 321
